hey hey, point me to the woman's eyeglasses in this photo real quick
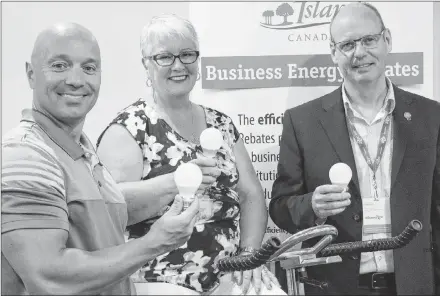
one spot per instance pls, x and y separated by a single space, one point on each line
167 59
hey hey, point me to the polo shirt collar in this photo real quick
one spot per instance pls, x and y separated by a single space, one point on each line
56 133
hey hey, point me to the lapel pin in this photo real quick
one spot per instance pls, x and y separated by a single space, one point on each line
407 115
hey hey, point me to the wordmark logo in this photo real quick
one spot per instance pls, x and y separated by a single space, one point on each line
296 15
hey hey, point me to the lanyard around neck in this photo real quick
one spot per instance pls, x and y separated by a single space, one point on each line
373 165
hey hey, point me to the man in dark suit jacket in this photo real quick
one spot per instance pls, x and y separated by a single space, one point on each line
367 118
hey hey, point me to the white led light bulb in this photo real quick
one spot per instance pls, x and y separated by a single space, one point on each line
340 174
211 140
188 178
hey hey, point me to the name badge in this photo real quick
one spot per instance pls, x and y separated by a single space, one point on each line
376 215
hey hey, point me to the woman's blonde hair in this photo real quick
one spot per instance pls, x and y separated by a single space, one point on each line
166 26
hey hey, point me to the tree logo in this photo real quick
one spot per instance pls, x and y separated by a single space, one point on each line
298 15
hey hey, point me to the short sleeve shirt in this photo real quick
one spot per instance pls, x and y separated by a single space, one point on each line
51 182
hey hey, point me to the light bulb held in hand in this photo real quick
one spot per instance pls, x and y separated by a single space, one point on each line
188 177
211 140
340 174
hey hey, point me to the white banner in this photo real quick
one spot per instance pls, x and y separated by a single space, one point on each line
258 59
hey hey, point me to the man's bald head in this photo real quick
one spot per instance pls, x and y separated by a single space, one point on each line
65 72
59 31
356 10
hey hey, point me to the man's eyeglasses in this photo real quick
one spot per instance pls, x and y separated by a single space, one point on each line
167 59
368 42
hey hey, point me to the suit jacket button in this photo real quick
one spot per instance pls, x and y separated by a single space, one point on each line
356 217
354 257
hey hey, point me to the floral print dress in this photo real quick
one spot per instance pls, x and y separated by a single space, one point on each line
163 151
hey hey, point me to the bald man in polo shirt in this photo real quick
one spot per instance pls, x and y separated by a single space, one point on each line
63 218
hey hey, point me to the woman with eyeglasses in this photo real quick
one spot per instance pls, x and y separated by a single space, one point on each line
148 140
